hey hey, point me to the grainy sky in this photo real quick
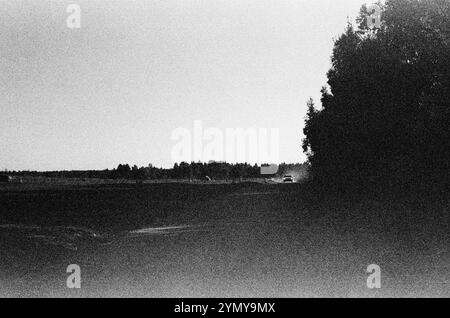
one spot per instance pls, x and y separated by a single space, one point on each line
114 90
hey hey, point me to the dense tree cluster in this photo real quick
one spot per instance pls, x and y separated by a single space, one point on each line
182 171
385 116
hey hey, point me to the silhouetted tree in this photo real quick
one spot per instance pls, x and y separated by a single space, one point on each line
123 171
385 115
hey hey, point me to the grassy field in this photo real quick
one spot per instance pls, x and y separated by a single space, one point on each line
219 240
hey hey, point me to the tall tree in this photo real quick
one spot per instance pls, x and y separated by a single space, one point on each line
386 111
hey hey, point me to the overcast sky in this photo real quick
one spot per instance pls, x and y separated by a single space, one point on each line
114 90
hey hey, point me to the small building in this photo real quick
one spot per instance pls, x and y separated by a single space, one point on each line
5 178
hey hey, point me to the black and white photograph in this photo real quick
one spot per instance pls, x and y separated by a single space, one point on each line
225 149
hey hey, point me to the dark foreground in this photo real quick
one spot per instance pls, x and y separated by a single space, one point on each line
242 240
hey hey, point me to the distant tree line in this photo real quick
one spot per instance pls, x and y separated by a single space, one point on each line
180 171
385 115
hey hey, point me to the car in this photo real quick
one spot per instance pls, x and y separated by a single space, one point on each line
5 178
288 179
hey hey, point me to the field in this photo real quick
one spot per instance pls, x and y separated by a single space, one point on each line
219 240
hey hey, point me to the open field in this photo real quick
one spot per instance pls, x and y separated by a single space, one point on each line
247 240
19 184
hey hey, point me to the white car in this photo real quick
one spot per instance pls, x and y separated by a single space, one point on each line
288 179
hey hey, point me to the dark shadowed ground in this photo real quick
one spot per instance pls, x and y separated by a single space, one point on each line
240 240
